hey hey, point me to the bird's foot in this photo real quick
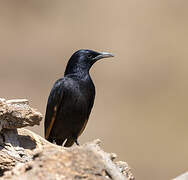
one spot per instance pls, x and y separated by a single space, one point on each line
3 137
2 142
76 141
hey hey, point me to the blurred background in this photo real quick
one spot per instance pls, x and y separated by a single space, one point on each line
140 110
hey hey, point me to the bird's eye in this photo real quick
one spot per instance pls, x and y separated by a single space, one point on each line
89 56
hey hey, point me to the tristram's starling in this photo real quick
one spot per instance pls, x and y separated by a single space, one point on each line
71 99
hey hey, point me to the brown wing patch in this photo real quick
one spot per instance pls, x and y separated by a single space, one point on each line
51 123
85 123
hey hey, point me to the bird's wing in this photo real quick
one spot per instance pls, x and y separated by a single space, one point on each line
91 101
54 102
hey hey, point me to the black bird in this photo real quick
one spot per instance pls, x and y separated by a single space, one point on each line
71 99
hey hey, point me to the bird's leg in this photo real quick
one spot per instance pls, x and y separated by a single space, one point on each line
76 141
59 141
3 138
75 138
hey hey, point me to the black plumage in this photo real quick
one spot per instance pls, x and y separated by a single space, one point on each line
71 99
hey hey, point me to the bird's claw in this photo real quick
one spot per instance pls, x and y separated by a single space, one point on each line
76 141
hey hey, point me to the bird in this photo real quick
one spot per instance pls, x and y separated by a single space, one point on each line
71 99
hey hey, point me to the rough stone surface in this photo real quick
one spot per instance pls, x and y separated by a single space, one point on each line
17 113
17 147
125 169
79 162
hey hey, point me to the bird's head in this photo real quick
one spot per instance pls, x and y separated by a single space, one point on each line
83 59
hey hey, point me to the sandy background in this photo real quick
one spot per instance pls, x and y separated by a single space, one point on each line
141 105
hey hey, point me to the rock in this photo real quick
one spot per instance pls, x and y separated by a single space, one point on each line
79 162
18 146
17 113
182 177
125 169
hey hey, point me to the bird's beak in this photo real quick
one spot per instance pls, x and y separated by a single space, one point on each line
103 55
